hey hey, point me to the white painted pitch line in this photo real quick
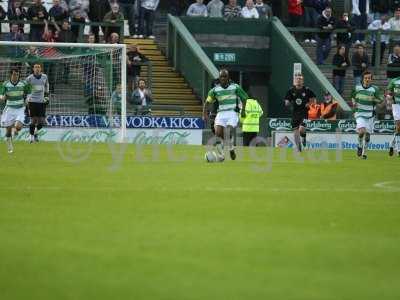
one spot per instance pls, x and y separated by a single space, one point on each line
388 185
378 187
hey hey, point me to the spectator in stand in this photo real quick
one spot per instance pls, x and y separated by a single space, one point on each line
197 9
57 12
65 35
114 38
344 38
360 17
394 23
97 11
340 62
15 35
276 6
394 62
314 110
49 36
91 39
232 10
380 24
321 5
17 13
328 107
264 10
135 60
178 7
310 19
215 8
3 15
296 11
249 11
146 14
116 100
360 62
37 13
379 8
128 10
326 22
113 16
142 99
394 4
78 10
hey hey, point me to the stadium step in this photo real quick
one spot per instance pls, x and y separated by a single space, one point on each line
168 86
158 90
174 96
148 52
161 74
172 85
166 79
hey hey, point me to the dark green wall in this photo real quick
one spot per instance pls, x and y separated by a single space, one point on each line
248 39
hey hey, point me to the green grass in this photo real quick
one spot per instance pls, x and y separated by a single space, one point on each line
152 228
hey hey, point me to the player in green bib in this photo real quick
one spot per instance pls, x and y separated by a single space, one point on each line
365 97
230 97
13 91
393 91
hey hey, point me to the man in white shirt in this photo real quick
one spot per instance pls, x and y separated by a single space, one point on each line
380 24
249 11
394 23
197 9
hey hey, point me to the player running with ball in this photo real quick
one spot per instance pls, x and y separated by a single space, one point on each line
231 97
393 90
365 97
13 92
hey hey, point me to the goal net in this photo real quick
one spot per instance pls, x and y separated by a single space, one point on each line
87 82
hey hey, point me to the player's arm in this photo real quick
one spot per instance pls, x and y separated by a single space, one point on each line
389 92
46 91
379 98
210 99
27 89
353 99
287 101
2 92
242 96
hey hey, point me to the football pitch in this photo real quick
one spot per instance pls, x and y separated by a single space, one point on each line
99 221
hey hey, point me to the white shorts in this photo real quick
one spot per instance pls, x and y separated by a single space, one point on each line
227 118
368 124
11 115
396 112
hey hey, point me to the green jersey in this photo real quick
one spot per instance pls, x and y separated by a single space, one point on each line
394 88
228 98
15 93
365 100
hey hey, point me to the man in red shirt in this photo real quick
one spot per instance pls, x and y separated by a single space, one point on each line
295 10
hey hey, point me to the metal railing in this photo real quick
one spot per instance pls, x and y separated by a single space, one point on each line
188 57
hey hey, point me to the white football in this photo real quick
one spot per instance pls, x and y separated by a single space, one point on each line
211 156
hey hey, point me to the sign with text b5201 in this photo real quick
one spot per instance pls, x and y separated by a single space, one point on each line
225 57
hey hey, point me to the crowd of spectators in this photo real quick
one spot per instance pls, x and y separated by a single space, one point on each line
70 14
228 9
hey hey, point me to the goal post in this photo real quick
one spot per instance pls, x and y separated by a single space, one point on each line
85 79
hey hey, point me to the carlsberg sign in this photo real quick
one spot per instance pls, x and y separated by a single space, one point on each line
344 126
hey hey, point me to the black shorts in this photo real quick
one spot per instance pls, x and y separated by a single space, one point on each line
297 122
37 109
